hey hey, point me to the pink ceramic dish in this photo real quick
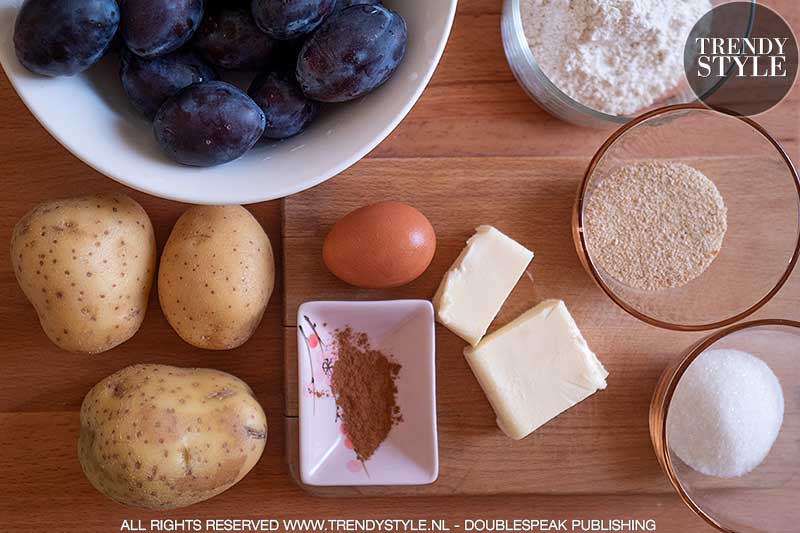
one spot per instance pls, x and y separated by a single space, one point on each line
402 329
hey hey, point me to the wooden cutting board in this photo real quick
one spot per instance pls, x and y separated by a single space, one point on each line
473 109
600 446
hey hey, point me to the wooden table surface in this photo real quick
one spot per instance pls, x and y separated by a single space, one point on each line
472 109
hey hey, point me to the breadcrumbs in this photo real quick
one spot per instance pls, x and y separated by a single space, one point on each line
655 225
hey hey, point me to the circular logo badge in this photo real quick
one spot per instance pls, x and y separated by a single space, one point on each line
742 57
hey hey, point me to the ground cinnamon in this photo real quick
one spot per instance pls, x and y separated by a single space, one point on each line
363 383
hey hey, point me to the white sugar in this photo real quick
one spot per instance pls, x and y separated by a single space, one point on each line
726 413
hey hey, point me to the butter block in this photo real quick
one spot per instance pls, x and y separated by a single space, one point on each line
535 368
479 281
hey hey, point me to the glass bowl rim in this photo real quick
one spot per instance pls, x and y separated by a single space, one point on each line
519 34
515 11
580 236
663 402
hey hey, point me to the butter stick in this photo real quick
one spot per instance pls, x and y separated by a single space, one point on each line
479 281
535 368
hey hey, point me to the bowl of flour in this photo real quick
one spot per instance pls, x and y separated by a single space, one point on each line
600 62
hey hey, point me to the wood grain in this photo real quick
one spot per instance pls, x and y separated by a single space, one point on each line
472 110
474 106
602 444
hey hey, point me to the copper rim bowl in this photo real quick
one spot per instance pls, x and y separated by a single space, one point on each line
741 514
660 132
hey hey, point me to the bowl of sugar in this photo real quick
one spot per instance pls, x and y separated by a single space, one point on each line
689 218
725 426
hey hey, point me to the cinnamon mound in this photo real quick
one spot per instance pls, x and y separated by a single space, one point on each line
364 385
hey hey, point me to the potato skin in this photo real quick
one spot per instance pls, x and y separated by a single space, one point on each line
163 437
216 276
86 264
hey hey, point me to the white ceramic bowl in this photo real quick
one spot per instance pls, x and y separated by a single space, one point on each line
90 115
402 329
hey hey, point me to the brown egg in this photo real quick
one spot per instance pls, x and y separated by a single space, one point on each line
387 244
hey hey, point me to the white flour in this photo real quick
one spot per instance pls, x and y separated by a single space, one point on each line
615 56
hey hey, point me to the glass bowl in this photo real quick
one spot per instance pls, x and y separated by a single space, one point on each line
760 188
555 101
765 500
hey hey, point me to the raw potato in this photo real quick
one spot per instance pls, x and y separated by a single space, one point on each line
163 437
216 276
86 265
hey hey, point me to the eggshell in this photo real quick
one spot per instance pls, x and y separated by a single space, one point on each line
383 245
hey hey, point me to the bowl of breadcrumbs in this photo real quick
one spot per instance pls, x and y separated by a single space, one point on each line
689 218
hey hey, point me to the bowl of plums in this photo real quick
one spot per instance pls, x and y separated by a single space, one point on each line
221 101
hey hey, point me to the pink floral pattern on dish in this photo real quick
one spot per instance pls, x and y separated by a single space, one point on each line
322 357
409 456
